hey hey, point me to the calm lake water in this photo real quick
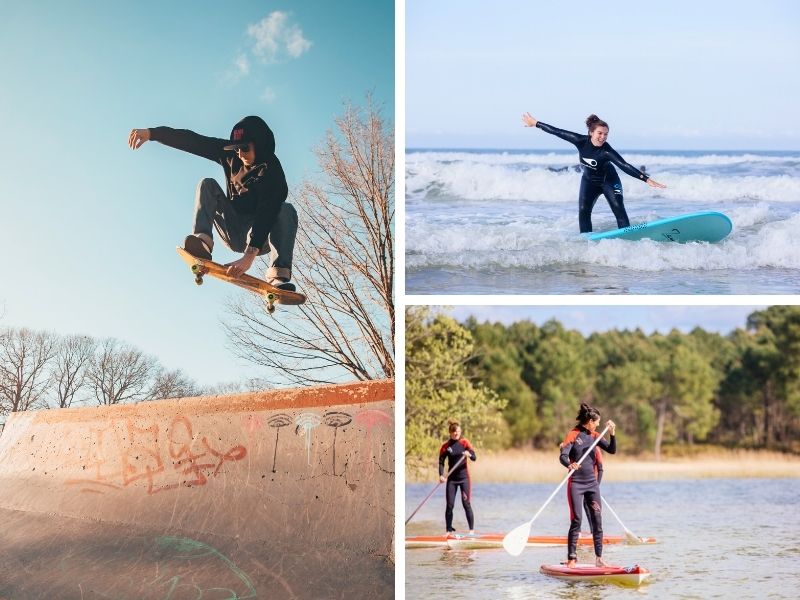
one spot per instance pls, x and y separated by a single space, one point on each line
720 538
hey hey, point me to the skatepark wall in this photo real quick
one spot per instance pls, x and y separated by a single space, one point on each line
305 468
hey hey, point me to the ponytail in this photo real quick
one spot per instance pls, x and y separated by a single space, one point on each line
593 122
586 414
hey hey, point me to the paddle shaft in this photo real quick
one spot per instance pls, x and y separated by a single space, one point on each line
616 516
515 540
571 471
436 487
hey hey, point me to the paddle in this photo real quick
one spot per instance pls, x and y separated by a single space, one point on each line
517 538
632 539
460 460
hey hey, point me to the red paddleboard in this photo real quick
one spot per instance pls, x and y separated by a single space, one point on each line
634 575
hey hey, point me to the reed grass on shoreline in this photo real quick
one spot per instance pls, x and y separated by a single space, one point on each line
537 466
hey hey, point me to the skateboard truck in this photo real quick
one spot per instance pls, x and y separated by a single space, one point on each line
270 300
198 271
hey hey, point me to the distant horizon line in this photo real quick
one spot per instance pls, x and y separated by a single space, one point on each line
570 151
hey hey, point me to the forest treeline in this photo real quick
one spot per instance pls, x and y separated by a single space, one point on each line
521 384
41 369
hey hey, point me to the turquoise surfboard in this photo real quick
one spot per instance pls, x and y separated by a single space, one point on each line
709 226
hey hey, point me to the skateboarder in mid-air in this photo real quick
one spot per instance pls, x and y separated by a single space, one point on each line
252 216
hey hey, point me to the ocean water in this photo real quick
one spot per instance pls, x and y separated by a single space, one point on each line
495 222
716 538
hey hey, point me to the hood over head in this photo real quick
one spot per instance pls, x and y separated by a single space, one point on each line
253 129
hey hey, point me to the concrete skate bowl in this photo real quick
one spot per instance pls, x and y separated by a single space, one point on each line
277 494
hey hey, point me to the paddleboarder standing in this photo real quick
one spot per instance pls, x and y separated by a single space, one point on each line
455 451
597 159
583 488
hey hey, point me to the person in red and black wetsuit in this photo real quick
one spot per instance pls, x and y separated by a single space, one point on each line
583 488
597 159
452 451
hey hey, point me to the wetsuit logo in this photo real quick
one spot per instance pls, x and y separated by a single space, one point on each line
590 162
618 188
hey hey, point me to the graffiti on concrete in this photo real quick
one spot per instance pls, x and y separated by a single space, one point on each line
336 419
370 419
278 422
307 422
123 453
164 568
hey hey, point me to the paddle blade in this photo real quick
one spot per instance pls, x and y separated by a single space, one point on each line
516 539
632 539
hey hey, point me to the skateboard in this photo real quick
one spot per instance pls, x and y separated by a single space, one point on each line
271 294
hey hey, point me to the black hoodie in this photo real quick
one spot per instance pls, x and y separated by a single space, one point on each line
259 190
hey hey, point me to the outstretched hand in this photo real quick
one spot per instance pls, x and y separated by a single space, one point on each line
239 267
654 183
528 120
138 137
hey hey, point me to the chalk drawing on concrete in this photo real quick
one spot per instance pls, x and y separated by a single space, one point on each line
370 419
336 419
306 422
278 422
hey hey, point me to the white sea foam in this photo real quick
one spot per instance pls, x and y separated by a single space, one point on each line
480 181
416 158
514 219
534 246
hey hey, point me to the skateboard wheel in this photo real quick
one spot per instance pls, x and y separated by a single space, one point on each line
271 297
270 308
198 280
196 269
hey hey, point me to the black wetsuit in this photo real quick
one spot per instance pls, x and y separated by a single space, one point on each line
583 488
453 450
599 176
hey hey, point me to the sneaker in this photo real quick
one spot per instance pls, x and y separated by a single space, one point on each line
281 284
196 247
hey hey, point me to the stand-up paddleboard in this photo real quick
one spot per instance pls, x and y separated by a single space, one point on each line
480 541
709 226
632 576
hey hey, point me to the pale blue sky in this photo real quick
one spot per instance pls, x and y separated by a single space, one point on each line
590 319
89 226
714 74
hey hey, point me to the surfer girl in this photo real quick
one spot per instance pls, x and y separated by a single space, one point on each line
599 175
583 488
453 450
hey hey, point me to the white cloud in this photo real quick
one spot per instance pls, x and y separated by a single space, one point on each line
239 69
242 65
268 95
275 38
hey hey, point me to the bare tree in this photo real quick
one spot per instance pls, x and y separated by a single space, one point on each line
344 264
120 373
73 355
172 384
253 384
25 356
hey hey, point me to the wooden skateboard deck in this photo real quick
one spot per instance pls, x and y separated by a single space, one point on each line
271 294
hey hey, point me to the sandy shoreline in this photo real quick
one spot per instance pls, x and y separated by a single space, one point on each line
526 466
